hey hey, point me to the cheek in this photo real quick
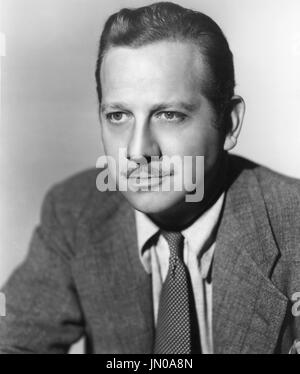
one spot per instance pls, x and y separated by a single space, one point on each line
186 143
205 138
195 142
112 141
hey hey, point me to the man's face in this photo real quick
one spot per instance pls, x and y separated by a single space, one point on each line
153 105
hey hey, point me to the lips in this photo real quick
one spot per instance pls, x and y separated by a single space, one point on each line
137 174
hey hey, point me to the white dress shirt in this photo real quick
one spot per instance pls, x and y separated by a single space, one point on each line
199 243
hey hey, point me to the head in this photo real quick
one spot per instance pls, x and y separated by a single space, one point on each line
165 83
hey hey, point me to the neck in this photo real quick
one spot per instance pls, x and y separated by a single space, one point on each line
184 213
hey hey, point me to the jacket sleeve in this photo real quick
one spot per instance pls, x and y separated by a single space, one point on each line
43 314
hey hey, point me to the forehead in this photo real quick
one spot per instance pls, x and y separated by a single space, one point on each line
163 66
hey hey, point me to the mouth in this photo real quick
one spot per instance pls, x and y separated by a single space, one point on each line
139 174
148 181
147 177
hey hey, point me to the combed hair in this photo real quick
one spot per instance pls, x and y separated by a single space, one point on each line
168 21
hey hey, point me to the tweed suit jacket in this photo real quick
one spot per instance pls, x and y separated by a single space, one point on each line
83 276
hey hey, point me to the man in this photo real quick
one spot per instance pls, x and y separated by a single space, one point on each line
144 270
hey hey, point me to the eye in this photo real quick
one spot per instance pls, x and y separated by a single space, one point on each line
117 117
171 116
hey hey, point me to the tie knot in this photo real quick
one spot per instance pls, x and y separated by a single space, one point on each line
175 241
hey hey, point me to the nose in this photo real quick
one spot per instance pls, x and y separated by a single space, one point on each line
142 142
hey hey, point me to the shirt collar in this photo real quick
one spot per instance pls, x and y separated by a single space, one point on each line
146 229
199 236
202 234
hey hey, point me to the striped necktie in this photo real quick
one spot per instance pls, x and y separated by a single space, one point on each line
177 328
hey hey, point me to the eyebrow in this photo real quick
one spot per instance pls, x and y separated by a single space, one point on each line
119 106
190 107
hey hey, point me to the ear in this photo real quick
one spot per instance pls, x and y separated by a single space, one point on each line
236 111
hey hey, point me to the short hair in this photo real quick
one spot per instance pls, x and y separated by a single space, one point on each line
168 21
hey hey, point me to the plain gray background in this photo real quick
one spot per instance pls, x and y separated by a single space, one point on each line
49 122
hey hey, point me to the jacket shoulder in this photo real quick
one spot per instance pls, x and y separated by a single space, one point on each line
77 197
74 191
280 192
275 186
281 197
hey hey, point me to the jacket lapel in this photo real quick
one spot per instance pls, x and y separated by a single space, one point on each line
127 288
248 310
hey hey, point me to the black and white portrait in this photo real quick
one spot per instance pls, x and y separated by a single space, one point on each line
150 177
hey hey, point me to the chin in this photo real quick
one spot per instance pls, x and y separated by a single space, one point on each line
152 202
